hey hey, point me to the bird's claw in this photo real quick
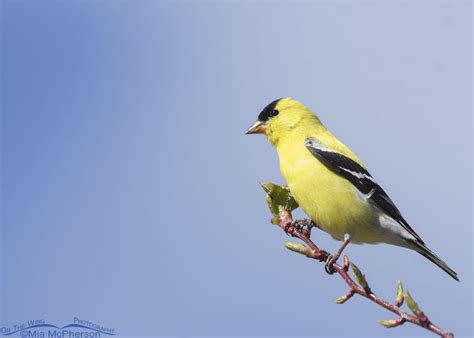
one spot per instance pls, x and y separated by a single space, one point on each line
332 259
323 256
300 225
296 226
329 266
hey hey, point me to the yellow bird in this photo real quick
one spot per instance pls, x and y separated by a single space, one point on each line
331 184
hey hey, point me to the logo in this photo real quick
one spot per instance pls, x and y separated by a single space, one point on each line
39 328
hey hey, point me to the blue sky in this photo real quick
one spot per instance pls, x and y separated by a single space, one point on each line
129 192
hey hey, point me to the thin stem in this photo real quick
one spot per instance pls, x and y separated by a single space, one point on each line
295 229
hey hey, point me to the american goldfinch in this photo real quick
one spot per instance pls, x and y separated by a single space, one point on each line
331 184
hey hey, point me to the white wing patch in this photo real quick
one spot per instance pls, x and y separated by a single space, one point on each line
358 175
313 142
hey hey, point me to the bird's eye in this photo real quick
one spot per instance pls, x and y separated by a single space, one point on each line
274 112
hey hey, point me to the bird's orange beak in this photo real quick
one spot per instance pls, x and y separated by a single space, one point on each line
258 127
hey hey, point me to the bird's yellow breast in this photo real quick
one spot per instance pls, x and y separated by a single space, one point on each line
327 198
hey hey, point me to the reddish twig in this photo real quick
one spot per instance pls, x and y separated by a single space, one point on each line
302 230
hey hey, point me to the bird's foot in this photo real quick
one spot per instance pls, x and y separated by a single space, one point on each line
329 266
332 259
300 225
297 226
304 226
323 255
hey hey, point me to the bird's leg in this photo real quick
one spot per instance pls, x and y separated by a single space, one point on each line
333 258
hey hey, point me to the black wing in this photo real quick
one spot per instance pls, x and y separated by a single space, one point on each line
359 177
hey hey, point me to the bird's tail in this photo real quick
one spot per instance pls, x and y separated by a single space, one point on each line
424 251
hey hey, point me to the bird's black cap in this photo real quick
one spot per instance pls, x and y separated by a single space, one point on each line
266 112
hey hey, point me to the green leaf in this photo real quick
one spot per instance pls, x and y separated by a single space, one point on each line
344 298
278 198
360 278
273 209
291 202
400 298
389 323
299 248
412 304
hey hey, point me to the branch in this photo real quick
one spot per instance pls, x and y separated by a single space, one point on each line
281 204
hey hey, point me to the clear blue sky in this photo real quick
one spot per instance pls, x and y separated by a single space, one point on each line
130 193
